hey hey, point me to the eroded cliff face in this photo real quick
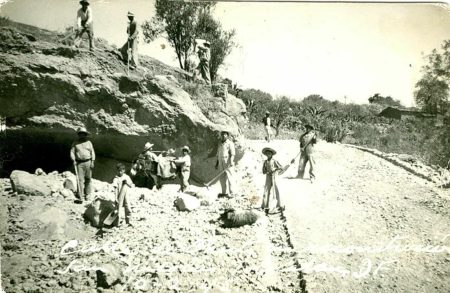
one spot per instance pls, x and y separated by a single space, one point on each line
47 90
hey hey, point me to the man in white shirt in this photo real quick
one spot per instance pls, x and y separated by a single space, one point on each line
224 163
84 24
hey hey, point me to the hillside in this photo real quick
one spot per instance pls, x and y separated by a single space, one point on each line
49 89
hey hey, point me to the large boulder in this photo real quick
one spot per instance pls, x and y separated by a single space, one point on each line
25 183
48 90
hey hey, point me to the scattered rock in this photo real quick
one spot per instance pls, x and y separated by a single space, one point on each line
187 203
235 219
25 183
97 212
108 275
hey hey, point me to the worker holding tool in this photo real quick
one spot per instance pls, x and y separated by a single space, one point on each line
307 141
83 156
225 164
129 51
122 197
271 199
84 24
184 167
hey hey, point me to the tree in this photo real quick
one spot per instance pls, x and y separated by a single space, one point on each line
183 22
432 90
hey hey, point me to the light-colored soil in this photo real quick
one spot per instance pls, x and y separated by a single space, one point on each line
334 233
358 204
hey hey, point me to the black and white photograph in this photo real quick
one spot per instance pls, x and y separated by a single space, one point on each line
224 146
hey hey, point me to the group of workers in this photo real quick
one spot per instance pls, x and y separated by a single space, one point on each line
129 51
83 156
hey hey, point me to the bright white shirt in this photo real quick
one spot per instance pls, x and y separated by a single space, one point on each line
84 16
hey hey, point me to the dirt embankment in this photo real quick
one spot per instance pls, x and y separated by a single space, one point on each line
48 90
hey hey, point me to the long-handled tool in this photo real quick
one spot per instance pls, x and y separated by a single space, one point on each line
284 169
128 57
113 215
79 191
208 184
293 160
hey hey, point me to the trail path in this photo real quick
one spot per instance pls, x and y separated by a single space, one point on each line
360 203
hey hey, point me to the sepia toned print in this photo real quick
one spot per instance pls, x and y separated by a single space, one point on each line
196 146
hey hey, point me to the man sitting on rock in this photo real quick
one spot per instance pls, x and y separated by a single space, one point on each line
83 156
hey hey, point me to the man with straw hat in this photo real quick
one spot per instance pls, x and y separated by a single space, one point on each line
83 156
204 56
129 51
224 163
84 24
307 141
184 167
271 199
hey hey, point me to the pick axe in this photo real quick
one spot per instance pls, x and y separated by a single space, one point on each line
284 169
208 184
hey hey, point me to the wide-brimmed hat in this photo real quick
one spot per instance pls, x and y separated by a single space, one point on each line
267 112
309 126
148 145
268 149
186 148
130 13
225 131
82 130
84 2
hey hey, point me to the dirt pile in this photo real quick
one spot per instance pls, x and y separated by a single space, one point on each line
49 89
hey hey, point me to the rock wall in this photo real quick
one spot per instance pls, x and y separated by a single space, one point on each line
47 90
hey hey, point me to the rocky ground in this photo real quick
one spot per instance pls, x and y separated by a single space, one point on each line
365 225
47 246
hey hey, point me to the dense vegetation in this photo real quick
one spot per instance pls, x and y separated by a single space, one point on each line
424 138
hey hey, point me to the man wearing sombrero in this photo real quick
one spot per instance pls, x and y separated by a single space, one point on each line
271 199
224 163
83 156
204 55
307 141
131 46
84 24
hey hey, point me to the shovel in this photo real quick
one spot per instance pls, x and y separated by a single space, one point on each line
208 184
113 215
284 169
78 182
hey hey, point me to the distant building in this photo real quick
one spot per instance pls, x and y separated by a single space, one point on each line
395 113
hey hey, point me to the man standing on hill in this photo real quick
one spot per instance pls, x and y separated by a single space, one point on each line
266 121
204 55
225 163
83 157
84 24
131 46
307 141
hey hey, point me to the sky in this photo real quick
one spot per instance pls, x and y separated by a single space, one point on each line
337 50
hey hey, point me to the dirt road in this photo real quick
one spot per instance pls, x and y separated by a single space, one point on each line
364 225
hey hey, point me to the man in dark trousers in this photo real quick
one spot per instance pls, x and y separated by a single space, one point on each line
267 127
131 46
307 142
84 24
83 157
